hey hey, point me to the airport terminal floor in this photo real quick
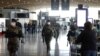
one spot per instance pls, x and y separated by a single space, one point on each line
77 22
34 46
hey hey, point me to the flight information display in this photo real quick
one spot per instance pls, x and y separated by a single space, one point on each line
81 18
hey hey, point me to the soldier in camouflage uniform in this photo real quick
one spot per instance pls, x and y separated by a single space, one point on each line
13 33
47 35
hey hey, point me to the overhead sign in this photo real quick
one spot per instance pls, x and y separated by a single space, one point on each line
65 4
55 4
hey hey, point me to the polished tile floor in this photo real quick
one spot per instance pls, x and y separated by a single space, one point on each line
34 46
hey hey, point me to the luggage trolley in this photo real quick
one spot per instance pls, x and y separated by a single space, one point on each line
75 50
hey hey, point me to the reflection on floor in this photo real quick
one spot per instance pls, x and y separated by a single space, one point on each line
60 47
34 46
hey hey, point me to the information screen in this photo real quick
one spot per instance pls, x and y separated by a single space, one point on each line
22 15
81 18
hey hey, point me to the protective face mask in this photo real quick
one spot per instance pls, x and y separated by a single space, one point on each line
13 24
49 23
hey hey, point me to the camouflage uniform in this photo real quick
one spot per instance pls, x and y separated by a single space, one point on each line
13 34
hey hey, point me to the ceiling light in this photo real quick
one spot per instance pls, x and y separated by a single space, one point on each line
85 0
28 2
19 0
24 1
7 2
36 0
2 2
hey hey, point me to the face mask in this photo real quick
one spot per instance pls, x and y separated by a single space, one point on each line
49 23
13 24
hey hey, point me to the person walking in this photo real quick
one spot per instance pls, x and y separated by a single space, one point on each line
47 35
71 36
13 34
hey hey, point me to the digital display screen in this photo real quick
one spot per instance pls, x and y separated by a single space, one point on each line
81 18
22 15
1 15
